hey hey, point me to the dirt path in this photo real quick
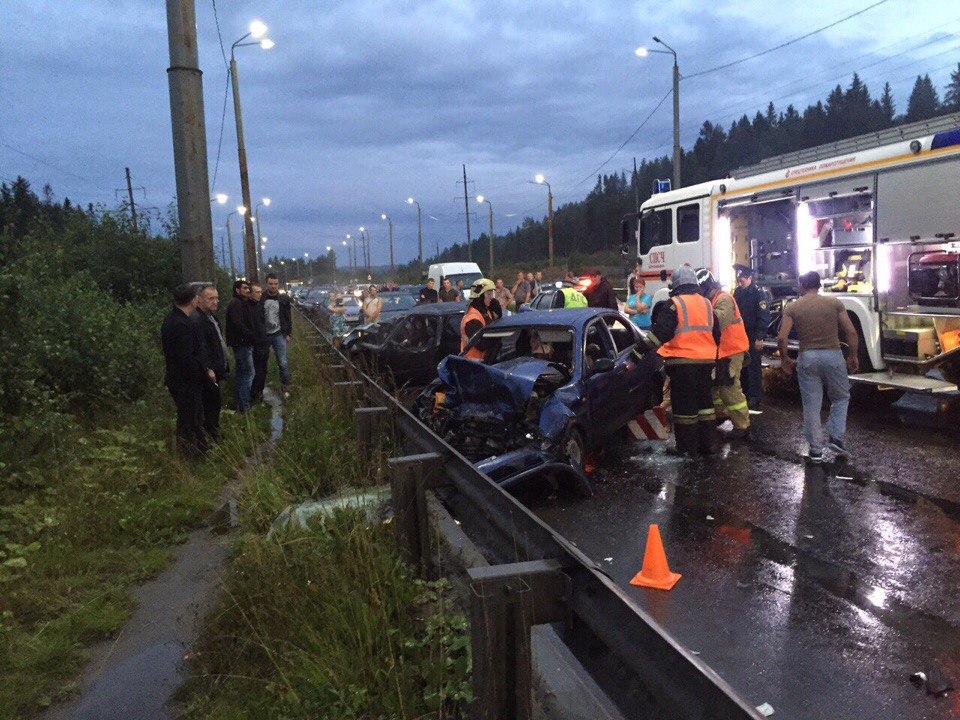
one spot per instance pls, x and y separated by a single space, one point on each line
136 674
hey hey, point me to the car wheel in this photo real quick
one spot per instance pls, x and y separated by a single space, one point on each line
574 449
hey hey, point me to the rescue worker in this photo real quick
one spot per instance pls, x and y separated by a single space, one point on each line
728 398
477 316
689 333
754 304
573 298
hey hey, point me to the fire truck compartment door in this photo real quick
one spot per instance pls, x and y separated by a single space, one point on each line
905 381
919 201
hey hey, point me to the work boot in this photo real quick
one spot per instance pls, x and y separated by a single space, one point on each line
686 439
705 433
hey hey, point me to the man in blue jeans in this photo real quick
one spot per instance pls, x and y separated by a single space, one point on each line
241 337
279 324
818 320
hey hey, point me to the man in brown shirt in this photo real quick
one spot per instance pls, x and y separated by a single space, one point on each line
818 321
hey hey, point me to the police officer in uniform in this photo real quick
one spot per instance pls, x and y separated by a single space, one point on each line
688 329
754 304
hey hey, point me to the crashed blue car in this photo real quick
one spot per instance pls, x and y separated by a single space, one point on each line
551 387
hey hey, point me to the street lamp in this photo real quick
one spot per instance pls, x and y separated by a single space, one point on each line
541 180
221 198
306 265
384 216
344 243
353 257
481 199
365 246
411 201
242 211
256 31
256 213
643 52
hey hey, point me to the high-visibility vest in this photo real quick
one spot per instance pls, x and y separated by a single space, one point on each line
471 314
693 339
573 298
733 338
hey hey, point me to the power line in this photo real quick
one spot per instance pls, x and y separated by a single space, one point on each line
226 92
216 19
53 166
784 44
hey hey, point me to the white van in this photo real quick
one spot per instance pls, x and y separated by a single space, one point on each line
467 271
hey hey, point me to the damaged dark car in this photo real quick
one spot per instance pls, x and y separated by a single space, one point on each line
551 387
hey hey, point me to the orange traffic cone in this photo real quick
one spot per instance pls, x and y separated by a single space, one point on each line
655 572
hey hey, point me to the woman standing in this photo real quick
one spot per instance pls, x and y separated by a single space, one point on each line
337 310
638 304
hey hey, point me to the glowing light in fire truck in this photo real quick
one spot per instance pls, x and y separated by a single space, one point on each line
807 241
723 252
883 269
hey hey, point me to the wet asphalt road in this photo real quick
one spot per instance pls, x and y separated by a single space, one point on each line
816 589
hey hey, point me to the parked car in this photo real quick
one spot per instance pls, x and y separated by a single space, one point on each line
409 353
352 314
551 387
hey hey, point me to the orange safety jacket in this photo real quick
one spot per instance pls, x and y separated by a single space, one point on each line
733 338
693 339
471 314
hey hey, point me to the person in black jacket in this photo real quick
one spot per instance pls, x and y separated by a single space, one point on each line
241 337
186 370
276 315
215 350
600 292
261 343
754 304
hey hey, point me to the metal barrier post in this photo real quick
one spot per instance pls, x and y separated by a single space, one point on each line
369 424
347 393
338 372
507 601
410 476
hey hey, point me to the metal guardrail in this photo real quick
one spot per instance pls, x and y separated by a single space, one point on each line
643 670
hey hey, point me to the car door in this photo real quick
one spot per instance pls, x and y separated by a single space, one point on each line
410 353
602 387
629 373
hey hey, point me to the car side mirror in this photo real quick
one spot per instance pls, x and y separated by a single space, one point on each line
601 365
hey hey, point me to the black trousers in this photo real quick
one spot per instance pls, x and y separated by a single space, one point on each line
751 377
261 354
694 417
191 442
211 401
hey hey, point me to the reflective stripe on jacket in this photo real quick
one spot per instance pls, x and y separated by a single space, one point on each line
693 339
733 335
471 314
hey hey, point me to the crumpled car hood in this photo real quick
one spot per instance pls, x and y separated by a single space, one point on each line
508 384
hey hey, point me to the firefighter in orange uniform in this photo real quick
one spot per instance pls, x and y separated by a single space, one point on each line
728 398
477 316
689 333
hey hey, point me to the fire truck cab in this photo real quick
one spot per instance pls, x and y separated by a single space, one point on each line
878 217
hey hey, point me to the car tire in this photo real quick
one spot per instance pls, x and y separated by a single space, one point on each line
575 449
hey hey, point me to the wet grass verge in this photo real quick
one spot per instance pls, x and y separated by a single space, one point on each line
82 523
324 622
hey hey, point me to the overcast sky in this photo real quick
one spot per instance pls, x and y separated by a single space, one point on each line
363 103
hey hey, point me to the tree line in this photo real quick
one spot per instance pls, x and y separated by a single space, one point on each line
592 225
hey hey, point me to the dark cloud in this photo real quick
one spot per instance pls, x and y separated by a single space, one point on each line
363 103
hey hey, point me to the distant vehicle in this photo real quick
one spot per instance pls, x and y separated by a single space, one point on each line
352 314
549 298
410 351
396 304
552 386
467 271
314 299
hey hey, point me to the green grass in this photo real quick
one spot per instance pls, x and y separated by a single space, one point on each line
84 521
325 622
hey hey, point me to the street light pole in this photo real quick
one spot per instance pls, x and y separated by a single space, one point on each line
411 201
257 29
256 212
541 180
189 143
643 52
384 216
481 199
242 210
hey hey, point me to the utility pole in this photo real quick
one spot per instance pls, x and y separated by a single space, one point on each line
249 244
133 206
259 251
233 272
676 123
466 207
195 233
636 186
223 255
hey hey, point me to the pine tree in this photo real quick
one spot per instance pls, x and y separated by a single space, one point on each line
951 99
924 102
887 106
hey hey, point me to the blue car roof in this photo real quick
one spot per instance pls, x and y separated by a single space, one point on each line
565 317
